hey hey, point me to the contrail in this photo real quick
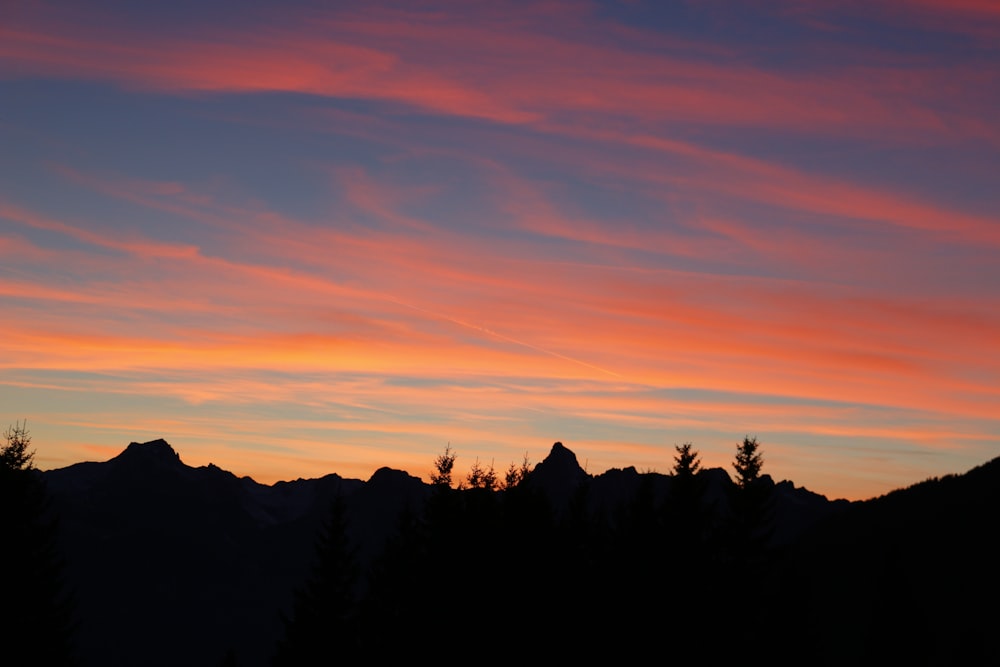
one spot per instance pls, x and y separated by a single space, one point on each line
509 339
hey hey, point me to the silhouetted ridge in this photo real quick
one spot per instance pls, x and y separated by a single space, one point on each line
561 463
559 475
151 543
903 576
390 477
155 452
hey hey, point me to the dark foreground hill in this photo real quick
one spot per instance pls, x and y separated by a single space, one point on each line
175 565
912 577
179 565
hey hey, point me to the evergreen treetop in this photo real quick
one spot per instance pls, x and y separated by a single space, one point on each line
748 462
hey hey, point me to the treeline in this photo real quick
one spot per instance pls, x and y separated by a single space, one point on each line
495 565
542 562
489 564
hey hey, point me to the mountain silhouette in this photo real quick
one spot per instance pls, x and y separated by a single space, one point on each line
906 577
149 455
174 564
559 476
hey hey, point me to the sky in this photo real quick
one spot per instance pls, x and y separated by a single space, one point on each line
300 238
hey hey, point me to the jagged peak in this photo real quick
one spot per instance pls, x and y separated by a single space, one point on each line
559 449
156 451
561 456
560 463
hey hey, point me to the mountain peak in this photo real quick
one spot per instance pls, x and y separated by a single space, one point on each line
155 452
559 474
560 457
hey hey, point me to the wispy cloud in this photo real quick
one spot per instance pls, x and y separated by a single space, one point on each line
351 235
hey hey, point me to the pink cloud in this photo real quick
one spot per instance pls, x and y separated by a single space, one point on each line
489 317
523 74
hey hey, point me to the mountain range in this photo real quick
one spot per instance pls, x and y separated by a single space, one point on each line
171 564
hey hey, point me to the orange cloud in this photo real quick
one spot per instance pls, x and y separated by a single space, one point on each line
731 334
597 253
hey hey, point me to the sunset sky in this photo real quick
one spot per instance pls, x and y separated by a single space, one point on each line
302 238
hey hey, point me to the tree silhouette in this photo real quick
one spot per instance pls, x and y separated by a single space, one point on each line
323 621
748 462
481 477
443 466
683 512
515 475
686 463
683 509
414 584
15 454
36 614
749 533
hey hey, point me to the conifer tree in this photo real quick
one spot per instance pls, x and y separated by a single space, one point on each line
746 544
36 612
686 463
516 475
481 477
323 624
443 466
683 514
748 462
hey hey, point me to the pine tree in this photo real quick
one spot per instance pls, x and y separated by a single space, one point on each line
15 454
686 463
746 544
36 613
683 506
516 475
322 627
748 462
443 466
481 477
